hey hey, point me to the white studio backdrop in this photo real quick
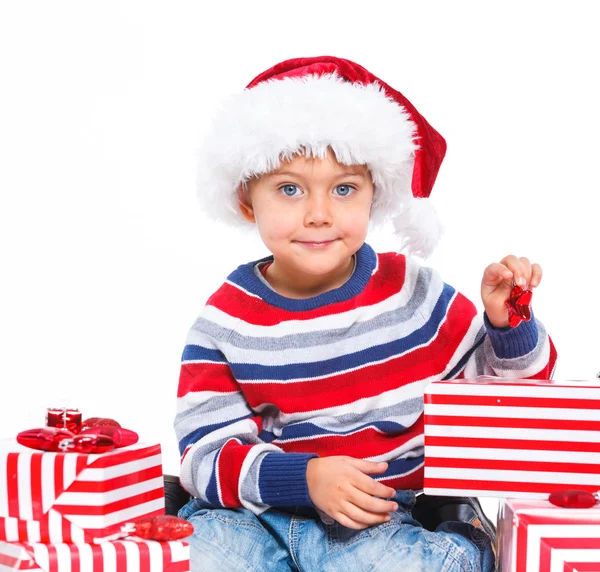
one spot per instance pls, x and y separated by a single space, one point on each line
106 259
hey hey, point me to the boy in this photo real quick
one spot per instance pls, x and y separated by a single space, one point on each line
300 417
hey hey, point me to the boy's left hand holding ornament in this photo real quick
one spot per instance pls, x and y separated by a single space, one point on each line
502 285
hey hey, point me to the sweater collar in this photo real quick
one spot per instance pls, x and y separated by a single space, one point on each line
366 262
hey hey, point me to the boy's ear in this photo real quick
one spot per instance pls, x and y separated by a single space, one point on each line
245 205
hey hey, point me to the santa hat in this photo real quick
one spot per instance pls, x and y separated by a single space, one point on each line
310 105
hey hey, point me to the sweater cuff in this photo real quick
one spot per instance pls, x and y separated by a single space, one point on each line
282 479
509 343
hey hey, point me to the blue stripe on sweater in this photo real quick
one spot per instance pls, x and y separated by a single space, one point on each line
401 467
193 352
196 435
248 372
305 430
212 491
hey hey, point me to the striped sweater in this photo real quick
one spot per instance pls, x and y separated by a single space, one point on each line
268 382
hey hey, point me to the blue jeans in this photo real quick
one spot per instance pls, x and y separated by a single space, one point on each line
236 539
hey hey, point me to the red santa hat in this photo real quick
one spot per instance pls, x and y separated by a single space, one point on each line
310 105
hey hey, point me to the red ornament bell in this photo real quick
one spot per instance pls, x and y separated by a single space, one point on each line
519 306
573 499
164 527
64 417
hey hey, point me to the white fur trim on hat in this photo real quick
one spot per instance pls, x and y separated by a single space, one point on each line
278 119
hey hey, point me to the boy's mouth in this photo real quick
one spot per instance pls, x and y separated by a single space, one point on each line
316 243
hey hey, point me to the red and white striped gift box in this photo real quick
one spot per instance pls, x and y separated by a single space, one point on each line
511 438
73 497
536 536
115 556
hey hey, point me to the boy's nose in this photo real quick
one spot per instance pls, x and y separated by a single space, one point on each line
318 212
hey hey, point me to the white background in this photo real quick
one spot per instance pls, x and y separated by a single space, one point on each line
106 259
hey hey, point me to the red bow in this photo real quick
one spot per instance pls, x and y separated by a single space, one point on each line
519 306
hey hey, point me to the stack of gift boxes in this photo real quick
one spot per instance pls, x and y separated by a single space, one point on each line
58 508
521 441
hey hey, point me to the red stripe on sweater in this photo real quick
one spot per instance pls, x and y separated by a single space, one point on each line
363 444
411 482
388 281
546 372
206 377
427 361
231 458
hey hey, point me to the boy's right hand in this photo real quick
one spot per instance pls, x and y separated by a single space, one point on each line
341 488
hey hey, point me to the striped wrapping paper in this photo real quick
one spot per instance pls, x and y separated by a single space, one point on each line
72 497
536 536
511 438
116 556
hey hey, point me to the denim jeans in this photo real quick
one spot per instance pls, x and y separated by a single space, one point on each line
236 539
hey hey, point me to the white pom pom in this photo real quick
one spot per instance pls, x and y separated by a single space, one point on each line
418 227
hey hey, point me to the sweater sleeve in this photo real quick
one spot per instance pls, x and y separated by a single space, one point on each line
224 461
523 352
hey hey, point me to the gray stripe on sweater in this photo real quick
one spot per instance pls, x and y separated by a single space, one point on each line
214 410
411 409
294 341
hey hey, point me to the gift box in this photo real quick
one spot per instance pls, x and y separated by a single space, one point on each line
76 497
536 536
118 555
511 438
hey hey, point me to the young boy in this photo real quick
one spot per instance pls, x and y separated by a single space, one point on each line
300 418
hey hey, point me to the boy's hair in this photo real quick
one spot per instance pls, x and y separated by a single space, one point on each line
309 106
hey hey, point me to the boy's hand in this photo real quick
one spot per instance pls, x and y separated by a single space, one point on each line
497 282
341 487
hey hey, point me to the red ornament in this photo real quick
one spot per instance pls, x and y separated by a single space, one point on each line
45 438
519 306
63 417
59 440
573 499
99 422
162 528
121 437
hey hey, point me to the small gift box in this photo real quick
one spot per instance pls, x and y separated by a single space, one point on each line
511 438
536 536
76 497
121 555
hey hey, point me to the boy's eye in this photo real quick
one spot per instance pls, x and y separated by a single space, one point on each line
344 190
290 190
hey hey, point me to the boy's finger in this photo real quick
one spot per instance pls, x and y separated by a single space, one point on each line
525 271
495 273
518 268
371 487
371 503
370 467
536 275
348 522
359 515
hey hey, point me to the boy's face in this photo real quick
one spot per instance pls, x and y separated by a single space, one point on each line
313 215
